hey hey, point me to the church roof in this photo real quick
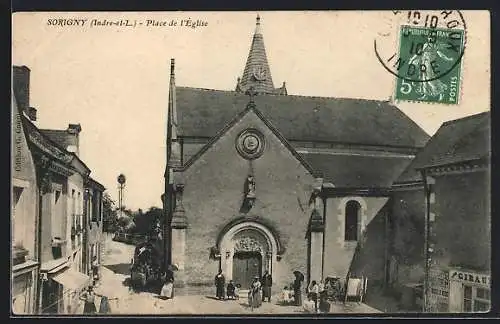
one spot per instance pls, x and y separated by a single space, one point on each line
455 141
362 171
249 107
257 59
203 112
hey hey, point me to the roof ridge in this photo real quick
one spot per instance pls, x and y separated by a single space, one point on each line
52 130
293 95
466 118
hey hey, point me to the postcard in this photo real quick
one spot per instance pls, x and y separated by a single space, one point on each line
242 163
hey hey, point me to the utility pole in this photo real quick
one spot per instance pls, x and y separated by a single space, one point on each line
428 185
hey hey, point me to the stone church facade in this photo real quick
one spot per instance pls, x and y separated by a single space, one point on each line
258 179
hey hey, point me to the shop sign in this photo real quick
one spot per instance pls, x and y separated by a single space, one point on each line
470 277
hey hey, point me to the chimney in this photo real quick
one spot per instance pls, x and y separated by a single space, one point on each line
73 139
31 113
74 129
21 85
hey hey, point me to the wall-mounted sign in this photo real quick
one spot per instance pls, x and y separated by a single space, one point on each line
470 277
18 138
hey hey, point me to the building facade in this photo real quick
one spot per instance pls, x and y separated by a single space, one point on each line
439 202
24 224
257 179
49 186
94 238
459 231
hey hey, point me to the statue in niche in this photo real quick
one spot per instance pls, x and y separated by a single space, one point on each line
249 194
250 187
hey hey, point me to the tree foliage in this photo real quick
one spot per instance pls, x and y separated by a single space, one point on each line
109 214
147 222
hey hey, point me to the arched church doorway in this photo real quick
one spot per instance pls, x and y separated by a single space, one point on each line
248 249
246 265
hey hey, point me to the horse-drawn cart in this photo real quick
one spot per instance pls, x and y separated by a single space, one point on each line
146 265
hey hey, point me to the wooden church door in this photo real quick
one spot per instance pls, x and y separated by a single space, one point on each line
246 265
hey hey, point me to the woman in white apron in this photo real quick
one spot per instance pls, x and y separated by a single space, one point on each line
167 291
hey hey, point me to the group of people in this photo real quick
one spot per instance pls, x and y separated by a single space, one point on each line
317 297
259 290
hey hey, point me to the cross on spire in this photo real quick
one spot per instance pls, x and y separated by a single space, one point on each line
251 92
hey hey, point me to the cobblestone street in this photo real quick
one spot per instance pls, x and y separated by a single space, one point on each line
113 284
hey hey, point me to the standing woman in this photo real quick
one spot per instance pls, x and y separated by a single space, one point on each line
104 307
89 298
220 281
267 282
167 290
297 288
256 291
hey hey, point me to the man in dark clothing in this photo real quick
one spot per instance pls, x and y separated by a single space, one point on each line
219 285
267 282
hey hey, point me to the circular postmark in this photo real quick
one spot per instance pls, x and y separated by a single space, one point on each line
421 46
424 50
250 144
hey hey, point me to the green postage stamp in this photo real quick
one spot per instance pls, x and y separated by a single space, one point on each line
429 64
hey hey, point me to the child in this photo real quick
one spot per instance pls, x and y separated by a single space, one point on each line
237 291
309 305
324 305
230 290
285 296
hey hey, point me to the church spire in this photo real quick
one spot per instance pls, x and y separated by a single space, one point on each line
173 148
257 72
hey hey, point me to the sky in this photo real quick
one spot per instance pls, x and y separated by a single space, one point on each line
114 80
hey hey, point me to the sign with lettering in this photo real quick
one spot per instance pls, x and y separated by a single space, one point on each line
439 288
470 277
18 139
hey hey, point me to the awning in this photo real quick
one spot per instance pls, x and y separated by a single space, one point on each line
72 279
54 266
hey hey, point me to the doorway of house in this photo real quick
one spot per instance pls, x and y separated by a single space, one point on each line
246 265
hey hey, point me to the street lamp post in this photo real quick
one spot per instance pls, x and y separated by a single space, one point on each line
121 184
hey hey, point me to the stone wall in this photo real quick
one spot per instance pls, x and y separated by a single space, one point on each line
338 253
462 223
407 227
213 196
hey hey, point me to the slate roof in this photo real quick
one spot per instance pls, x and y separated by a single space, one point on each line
96 184
455 141
50 140
250 107
58 136
203 112
345 171
357 171
30 128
